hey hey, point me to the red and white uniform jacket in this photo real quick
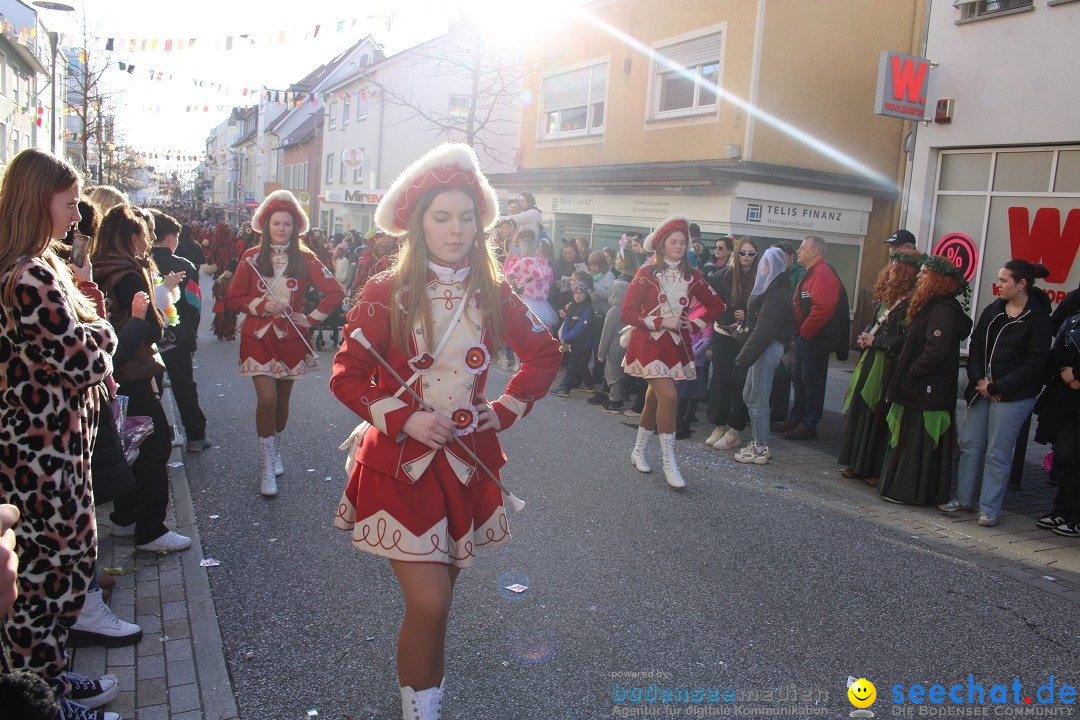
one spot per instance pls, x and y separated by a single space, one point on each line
249 294
452 383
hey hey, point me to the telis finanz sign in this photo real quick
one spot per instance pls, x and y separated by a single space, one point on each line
903 82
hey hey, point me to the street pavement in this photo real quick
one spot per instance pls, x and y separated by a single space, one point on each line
771 584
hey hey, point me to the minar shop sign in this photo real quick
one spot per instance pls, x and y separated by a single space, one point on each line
903 83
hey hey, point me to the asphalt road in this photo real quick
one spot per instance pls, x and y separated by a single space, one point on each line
740 583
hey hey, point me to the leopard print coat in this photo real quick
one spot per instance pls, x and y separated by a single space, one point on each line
53 365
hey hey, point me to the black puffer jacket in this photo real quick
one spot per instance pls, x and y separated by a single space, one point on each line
1015 361
771 317
1059 404
926 369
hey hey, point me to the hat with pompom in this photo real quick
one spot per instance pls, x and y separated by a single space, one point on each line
449 166
278 201
670 224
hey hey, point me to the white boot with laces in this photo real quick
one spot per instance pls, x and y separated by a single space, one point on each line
268 486
637 456
422 704
279 443
671 470
98 625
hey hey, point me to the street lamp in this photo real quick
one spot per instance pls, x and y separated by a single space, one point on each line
54 41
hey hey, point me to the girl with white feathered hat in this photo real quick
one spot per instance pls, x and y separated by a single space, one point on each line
425 490
656 309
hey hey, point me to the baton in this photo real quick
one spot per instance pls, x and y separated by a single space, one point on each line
358 335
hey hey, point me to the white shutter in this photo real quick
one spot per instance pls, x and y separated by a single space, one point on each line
568 90
599 83
692 52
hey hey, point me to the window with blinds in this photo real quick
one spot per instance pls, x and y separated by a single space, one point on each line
687 77
573 102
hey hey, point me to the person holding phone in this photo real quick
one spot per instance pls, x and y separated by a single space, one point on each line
57 353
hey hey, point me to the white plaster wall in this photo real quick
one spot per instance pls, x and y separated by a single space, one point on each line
1014 79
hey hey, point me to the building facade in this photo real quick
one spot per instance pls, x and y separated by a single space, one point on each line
714 109
383 116
27 74
996 175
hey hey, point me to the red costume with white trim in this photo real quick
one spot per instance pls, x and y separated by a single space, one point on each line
655 352
269 344
405 500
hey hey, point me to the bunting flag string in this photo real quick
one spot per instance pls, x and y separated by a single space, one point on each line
231 42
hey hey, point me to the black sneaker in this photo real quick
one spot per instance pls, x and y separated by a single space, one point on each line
1049 521
598 399
92 693
1069 529
74 711
613 406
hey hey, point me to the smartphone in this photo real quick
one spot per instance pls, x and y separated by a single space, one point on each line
79 244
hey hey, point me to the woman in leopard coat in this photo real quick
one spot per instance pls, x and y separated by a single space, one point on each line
56 352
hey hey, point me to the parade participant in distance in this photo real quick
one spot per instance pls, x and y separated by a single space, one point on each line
269 285
659 350
415 496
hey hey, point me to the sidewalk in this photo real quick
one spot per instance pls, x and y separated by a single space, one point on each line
177 671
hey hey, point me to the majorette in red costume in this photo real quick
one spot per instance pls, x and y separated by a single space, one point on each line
654 352
270 344
414 495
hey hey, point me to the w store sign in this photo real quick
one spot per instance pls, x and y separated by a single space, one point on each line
902 86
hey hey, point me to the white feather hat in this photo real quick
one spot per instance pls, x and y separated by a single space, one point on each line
278 201
450 165
670 223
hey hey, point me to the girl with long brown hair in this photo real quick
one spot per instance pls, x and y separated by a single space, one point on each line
57 353
275 350
423 492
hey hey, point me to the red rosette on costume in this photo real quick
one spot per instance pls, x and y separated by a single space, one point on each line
450 165
421 363
477 359
464 418
669 224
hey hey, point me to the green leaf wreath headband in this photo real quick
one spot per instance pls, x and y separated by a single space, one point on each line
944 266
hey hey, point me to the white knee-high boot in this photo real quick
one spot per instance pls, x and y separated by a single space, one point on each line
637 456
279 442
671 470
268 484
422 704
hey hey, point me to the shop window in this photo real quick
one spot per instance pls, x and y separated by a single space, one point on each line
974 9
1023 171
965 171
687 77
1068 172
573 102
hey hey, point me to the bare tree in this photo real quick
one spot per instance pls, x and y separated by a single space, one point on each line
86 97
494 75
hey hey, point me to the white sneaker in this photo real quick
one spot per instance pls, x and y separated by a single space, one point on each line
74 711
754 454
717 433
169 542
98 625
92 693
123 530
729 441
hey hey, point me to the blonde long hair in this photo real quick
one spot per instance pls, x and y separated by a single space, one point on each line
411 273
31 180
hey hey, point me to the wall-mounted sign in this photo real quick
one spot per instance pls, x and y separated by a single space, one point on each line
902 86
352 158
961 250
792 216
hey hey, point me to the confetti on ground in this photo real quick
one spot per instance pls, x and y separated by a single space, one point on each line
175 464
516 588
1051 578
328 478
214 517
779 487
369 638
119 570
273 539
311 469
209 562
312 713
248 655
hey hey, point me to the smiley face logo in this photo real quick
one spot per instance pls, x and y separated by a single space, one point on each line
862 693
